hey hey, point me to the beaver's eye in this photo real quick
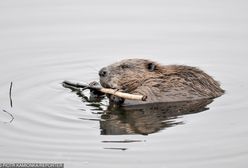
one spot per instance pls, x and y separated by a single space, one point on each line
124 66
151 67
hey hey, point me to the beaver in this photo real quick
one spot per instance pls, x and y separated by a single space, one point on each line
160 83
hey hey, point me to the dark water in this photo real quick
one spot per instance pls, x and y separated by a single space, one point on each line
45 42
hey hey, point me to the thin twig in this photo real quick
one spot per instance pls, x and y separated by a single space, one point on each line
80 85
123 95
12 117
107 91
10 94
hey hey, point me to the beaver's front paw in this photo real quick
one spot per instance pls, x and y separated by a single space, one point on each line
95 95
116 100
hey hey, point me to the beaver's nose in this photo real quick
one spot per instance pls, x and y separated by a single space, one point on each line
103 72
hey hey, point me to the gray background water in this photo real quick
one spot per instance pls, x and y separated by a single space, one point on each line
45 42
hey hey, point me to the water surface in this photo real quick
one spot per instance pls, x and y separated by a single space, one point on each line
45 42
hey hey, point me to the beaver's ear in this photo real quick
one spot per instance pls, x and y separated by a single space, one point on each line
151 66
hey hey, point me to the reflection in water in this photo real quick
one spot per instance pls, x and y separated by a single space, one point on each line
12 117
142 119
149 118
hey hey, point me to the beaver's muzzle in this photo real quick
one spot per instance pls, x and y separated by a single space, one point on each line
107 79
104 77
103 72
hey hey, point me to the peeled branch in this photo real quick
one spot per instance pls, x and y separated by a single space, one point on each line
106 91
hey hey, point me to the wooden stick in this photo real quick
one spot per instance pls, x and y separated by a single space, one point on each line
78 85
10 94
123 95
107 91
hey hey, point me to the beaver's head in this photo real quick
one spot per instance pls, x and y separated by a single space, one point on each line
128 74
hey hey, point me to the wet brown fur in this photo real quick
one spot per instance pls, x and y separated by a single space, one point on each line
160 83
